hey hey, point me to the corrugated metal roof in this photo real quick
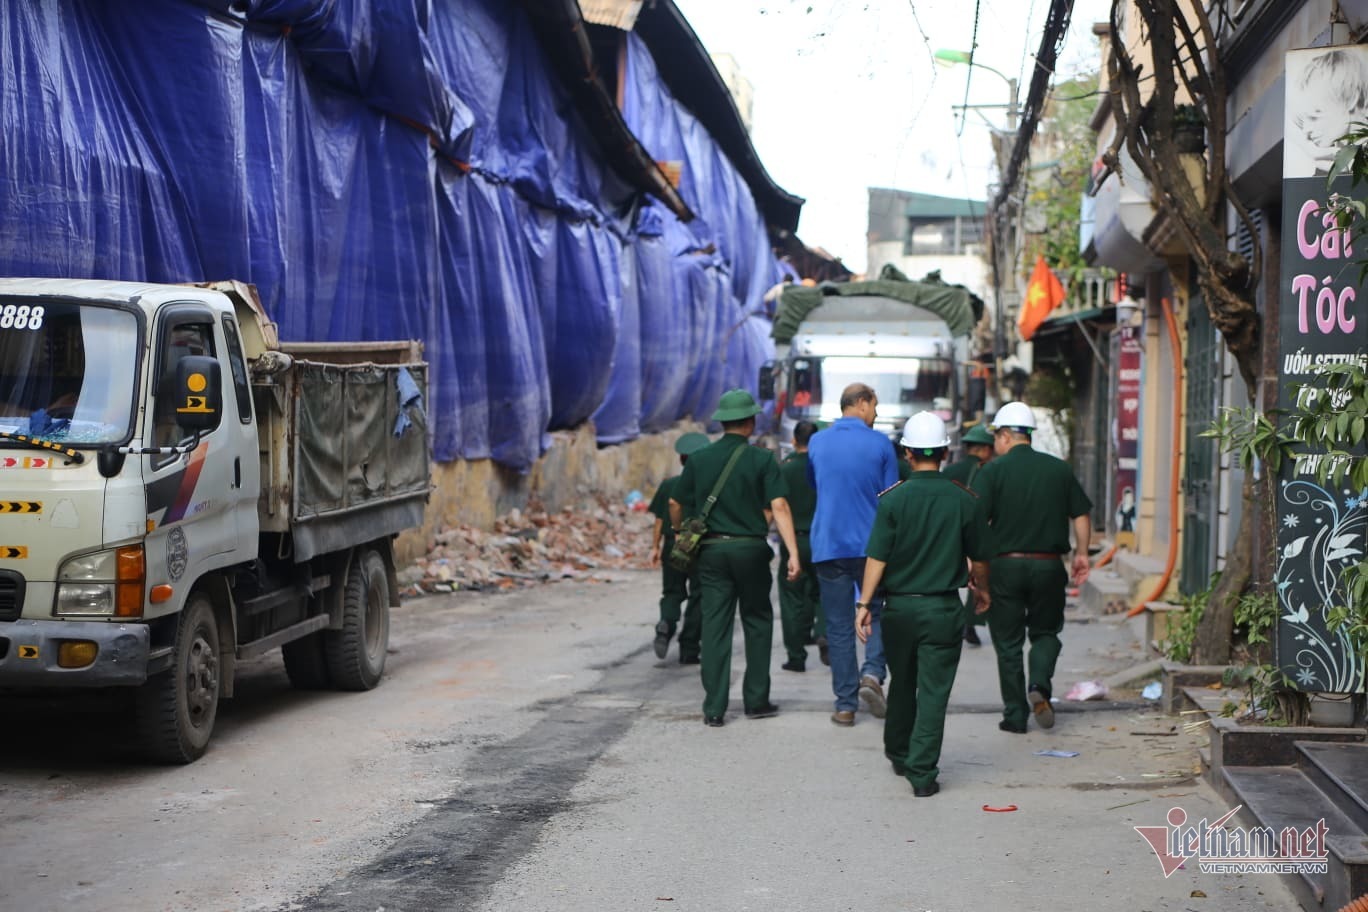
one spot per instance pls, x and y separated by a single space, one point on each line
924 205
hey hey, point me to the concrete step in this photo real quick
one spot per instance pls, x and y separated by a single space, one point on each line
1341 772
1105 592
1281 796
1138 569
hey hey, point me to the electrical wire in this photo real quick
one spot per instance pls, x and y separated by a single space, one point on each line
926 96
969 74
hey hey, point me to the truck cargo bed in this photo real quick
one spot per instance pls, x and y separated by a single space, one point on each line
344 447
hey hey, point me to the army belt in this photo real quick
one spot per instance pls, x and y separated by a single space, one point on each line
1031 555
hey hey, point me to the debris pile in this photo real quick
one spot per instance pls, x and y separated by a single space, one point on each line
530 547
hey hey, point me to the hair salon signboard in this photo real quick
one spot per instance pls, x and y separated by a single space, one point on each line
1323 319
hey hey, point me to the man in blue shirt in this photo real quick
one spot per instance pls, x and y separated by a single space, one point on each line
849 464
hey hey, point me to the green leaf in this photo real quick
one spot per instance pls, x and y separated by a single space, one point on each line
1343 159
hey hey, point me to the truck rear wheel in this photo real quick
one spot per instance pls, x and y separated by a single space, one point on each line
305 663
175 710
356 653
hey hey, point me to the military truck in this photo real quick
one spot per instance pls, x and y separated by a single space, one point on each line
180 492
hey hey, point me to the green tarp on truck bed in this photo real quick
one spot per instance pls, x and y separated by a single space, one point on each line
955 304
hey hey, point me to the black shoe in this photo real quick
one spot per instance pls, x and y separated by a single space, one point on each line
794 666
712 721
823 651
689 660
926 791
898 768
764 711
971 635
1006 726
663 632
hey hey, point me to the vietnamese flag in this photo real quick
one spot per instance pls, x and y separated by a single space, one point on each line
1043 295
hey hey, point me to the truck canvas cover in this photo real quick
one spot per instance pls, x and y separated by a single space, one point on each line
955 304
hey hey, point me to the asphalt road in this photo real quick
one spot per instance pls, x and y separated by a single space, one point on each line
527 751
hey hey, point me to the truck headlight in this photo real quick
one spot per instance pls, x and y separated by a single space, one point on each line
102 584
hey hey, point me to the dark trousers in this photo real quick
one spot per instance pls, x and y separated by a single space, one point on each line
735 574
1028 603
923 636
800 602
684 589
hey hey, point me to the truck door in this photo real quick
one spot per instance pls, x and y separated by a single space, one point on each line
194 498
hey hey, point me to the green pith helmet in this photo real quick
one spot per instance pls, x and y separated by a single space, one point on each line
978 434
735 405
691 443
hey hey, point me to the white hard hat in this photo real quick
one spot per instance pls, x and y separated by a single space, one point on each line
925 431
1014 415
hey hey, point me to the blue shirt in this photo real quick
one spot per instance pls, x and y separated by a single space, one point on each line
849 464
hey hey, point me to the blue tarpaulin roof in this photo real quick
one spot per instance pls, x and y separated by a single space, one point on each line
389 170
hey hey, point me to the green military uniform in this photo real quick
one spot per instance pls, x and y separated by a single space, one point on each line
964 472
1029 498
923 530
904 468
677 588
800 603
734 564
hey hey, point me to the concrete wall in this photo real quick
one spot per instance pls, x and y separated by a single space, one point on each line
574 468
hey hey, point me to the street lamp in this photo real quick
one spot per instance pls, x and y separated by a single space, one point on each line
950 57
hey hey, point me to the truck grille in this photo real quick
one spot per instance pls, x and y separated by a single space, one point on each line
11 595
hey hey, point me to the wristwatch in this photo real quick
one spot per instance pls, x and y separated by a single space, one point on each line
859 605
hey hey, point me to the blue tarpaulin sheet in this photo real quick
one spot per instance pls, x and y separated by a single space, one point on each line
388 169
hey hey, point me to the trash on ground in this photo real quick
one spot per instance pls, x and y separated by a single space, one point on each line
1056 753
1153 690
1117 807
1000 810
1086 690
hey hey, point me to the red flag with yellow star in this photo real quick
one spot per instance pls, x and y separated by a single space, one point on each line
1043 295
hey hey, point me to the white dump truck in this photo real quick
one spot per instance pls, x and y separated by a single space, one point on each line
908 340
180 492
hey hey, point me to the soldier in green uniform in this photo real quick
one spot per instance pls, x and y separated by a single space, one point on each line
924 530
978 451
675 587
734 562
800 602
1030 499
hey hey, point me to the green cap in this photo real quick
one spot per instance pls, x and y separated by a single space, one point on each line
735 405
978 434
691 443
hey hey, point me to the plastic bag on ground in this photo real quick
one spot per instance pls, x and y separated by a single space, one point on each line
1086 690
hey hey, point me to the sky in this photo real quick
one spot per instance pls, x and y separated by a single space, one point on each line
847 95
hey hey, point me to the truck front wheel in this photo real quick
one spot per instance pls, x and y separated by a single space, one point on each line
175 710
356 653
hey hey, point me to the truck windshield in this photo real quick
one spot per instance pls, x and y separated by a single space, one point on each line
67 370
904 386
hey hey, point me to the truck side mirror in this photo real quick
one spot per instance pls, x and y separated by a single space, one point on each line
198 394
766 384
